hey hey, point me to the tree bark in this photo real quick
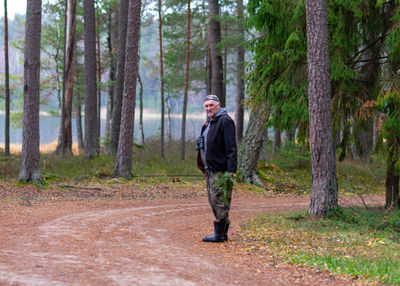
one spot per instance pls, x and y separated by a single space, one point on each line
98 65
240 57
208 71
186 89
30 155
324 183
112 44
392 176
141 128
61 86
64 146
169 127
7 85
264 148
119 82
123 167
277 141
91 133
392 107
214 37
160 33
249 149
225 61
78 115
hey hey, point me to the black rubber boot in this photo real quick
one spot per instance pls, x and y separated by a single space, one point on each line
226 232
218 236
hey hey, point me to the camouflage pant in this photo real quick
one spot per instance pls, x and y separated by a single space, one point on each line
219 191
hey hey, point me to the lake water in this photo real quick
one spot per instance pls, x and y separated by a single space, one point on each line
49 127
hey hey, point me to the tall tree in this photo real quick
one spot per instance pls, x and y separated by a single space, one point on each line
65 139
186 88
91 133
141 127
119 82
160 34
112 45
214 36
389 104
98 65
7 85
240 57
30 155
324 183
123 167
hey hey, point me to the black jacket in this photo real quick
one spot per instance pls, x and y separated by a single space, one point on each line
221 150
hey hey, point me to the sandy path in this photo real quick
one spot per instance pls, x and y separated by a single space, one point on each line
133 242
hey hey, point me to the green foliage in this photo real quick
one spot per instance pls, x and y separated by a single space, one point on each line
277 72
225 184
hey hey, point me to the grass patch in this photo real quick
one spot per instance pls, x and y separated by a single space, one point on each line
289 171
147 167
362 243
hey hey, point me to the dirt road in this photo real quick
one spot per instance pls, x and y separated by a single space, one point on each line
138 242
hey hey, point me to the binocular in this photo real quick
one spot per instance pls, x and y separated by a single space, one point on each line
200 143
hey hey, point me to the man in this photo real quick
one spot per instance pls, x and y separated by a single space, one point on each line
217 159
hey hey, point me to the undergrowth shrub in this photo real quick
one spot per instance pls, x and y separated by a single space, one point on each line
292 156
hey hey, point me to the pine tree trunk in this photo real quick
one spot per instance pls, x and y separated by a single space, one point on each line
79 132
169 125
7 85
123 167
61 94
214 37
30 155
186 89
207 67
249 149
119 82
392 176
240 58
277 141
393 134
141 128
91 133
208 71
112 43
98 65
65 139
225 61
324 184
160 33
376 130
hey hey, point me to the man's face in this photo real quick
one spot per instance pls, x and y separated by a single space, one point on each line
212 108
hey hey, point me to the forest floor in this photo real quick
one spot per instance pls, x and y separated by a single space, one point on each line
122 234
